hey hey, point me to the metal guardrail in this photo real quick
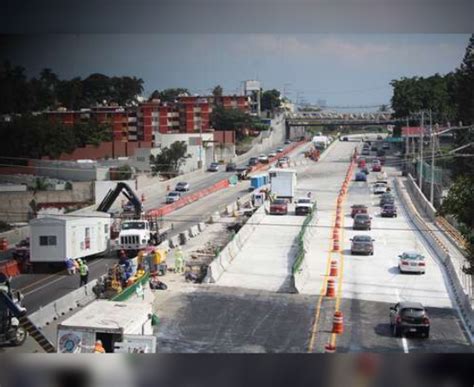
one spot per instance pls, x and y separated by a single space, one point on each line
452 231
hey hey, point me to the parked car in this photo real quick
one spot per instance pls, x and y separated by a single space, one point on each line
287 142
272 154
173 197
182 186
279 150
263 158
213 167
231 167
389 211
253 161
358 209
409 317
412 262
279 206
380 188
303 206
360 176
362 222
362 244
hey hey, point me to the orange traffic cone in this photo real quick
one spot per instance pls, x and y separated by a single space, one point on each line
331 288
329 348
335 245
338 221
337 324
333 272
335 234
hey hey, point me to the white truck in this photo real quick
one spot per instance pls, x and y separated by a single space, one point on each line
283 183
53 238
137 234
111 322
320 142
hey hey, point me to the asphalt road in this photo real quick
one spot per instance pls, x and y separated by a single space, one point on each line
41 289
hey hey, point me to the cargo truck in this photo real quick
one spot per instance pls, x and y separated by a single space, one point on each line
55 237
283 183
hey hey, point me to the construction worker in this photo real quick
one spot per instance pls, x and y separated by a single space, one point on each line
178 260
71 268
99 348
83 273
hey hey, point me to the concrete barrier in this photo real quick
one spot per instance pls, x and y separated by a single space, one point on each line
183 238
174 241
454 275
202 226
215 217
417 196
193 231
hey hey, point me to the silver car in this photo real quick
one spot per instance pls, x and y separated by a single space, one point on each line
362 244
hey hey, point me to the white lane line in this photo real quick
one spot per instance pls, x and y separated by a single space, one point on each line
404 340
57 280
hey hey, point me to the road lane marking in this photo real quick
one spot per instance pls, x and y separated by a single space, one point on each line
56 280
405 345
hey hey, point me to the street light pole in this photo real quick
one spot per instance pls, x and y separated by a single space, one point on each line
421 150
432 163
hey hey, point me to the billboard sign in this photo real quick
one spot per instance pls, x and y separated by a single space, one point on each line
252 85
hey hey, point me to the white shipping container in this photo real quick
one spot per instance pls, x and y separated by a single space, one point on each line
53 238
283 182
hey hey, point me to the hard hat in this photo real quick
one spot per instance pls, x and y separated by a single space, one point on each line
99 342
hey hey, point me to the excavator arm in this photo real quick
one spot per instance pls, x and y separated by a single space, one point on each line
113 194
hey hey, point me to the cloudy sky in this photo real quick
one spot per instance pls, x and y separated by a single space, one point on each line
344 69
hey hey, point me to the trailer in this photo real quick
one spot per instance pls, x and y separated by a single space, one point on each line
113 323
55 237
283 183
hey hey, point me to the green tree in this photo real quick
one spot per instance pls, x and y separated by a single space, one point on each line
170 95
97 88
70 93
465 88
170 159
123 172
233 119
217 91
154 95
270 99
125 90
14 89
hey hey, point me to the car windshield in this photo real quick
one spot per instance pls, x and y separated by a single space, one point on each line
388 208
362 238
413 256
362 217
181 184
279 201
413 312
359 206
133 226
173 194
304 201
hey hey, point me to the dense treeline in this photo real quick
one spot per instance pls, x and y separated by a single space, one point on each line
451 99
18 94
34 136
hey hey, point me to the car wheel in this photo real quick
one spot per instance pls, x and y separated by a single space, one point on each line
372 253
20 336
400 270
396 331
426 334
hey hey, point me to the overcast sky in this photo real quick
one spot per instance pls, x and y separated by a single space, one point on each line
343 69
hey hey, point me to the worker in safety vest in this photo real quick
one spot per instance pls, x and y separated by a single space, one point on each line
83 273
178 260
99 348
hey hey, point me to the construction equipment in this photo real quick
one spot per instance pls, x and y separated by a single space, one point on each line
14 324
113 194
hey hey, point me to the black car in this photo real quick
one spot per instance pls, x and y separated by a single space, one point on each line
380 153
362 222
409 317
253 161
231 167
389 211
387 198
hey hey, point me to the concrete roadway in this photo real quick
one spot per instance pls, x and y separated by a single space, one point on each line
249 315
369 285
41 289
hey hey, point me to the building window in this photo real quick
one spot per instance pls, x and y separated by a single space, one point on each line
106 228
47 240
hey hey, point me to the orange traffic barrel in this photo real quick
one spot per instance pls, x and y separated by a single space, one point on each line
335 245
331 288
329 348
333 271
337 323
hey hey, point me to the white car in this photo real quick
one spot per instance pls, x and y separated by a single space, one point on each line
382 177
173 197
272 154
412 262
303 206
380 188
263 158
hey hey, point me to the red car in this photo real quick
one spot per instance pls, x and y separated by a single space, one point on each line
358 209
376 168
279 207
361 163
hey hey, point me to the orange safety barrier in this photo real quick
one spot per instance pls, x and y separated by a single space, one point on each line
335 245
333 271
331 288
337 323
338 222
335 234
10 268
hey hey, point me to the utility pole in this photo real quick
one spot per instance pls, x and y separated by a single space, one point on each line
407 148
432 162
422 132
